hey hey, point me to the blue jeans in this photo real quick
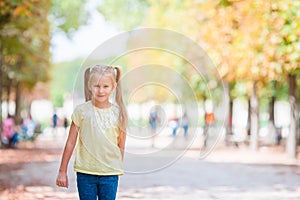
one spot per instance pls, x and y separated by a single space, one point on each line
92 186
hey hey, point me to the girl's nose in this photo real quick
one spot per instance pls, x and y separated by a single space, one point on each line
101 89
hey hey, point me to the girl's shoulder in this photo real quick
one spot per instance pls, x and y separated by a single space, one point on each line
83 107
115 108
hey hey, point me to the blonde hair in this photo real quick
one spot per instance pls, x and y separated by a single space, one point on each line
115 72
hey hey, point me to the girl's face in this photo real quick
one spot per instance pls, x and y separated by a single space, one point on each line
101 89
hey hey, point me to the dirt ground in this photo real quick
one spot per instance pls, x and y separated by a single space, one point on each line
29 173
21 176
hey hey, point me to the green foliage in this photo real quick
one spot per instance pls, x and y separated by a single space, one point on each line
285 18
23 38
68 15
63 77
239 90
206 89
127 14
224 3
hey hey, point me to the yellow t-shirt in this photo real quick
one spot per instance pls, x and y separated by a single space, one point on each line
97 148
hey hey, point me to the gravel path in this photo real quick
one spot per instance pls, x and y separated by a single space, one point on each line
227 173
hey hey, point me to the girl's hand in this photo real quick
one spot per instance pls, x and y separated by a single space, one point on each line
62 180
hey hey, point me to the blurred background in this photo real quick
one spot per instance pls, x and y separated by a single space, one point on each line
254 46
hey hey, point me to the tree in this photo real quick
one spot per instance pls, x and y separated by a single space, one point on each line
68 16
22 40
285 20
25 40
253 41
127 14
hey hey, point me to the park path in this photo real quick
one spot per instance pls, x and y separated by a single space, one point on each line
226 173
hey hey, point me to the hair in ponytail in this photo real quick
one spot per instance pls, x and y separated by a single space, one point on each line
123 118
115 72
87 91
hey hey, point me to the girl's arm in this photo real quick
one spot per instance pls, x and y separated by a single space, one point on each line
121 142
62 179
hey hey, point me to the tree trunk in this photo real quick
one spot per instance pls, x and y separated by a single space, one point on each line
8 95
230 117
271 125
228 112
292 137
254 119
271 109
1 83
292 85
18 106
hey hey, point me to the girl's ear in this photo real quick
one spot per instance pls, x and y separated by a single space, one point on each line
115 85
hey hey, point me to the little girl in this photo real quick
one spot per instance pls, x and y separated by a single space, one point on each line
100 127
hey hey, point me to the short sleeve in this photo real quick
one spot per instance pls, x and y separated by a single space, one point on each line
76 117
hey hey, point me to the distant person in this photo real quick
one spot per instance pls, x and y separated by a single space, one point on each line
100 127
174 124
66 124
209 118
21 129
278 136
153 121
209 121
30 127
8 136
185 124
54 120
54 125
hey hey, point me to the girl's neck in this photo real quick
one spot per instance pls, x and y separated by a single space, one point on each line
101 105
